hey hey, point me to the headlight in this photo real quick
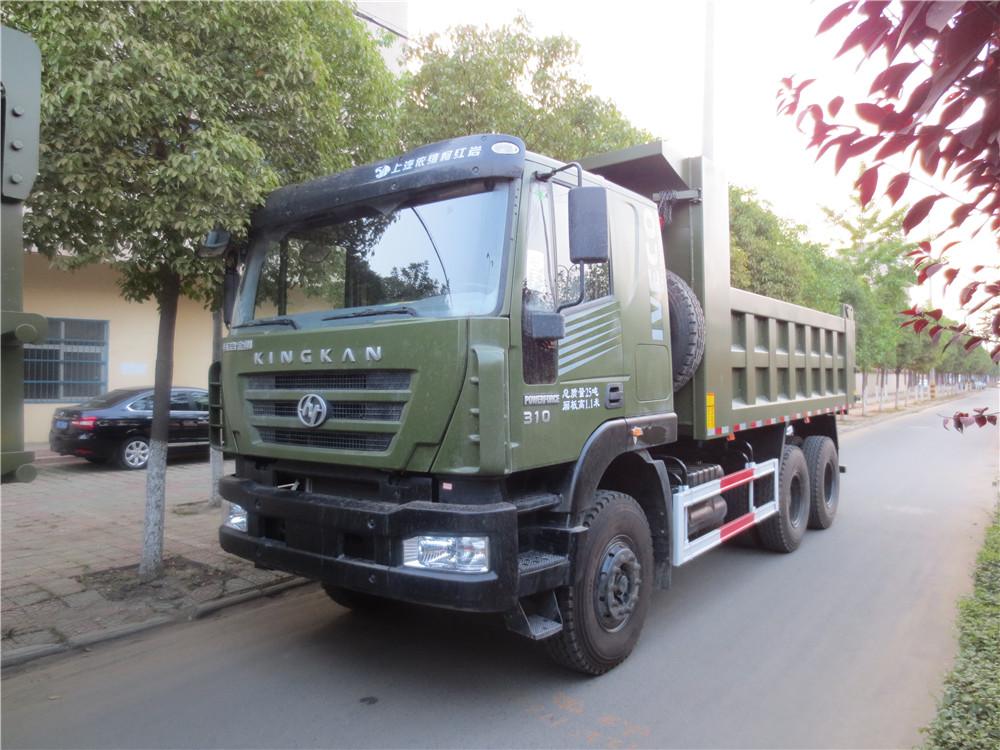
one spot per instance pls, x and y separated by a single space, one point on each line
460 554
235 517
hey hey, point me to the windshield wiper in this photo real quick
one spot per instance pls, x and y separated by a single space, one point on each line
367 312
267 322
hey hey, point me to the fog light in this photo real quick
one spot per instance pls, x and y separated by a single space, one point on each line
236 517
461 554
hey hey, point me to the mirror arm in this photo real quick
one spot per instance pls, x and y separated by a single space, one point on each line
546 176
579 299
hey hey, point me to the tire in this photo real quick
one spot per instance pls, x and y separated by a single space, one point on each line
783 531
353 600
615 557
687 330
824 480
133 453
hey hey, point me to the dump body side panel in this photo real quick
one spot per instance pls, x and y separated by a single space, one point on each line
785 362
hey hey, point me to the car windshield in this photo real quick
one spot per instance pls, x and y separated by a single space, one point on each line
438 256
109 399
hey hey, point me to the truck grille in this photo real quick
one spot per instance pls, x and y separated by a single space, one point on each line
273 398
368 380
361 410
349 441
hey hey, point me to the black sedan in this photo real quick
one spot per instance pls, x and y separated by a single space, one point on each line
115 426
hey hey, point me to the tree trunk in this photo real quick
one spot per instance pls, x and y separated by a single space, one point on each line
896 407
215 499
151 564
864 393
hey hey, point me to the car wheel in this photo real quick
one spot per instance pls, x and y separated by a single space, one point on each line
604 609
134 453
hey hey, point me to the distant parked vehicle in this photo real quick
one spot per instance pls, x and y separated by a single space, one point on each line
115 426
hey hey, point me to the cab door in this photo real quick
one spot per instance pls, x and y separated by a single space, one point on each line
562 390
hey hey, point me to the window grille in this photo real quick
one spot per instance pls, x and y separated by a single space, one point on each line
71 364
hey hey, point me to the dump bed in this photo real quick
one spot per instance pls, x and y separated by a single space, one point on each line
766 361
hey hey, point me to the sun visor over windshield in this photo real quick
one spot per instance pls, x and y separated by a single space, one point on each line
473 157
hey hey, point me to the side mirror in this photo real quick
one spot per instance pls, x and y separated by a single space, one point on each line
588 225
214 245
544 325
229 284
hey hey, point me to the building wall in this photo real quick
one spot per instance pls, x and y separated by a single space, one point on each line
92 293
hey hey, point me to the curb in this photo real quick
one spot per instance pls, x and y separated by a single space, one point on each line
30 653
874 420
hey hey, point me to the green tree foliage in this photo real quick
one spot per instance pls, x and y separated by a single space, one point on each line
480 79
768 255
162 119
879 279
868 270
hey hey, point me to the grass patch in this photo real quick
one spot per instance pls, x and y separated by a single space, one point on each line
969 713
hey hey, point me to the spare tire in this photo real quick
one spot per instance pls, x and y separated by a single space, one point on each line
687 330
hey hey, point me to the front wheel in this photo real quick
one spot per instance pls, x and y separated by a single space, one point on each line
604 609
134 453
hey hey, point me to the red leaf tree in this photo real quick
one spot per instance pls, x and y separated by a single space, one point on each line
935 98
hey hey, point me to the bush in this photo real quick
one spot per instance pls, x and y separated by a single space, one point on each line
969 713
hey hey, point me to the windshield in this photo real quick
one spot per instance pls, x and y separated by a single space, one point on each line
437 256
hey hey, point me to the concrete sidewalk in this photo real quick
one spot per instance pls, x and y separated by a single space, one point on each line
71 543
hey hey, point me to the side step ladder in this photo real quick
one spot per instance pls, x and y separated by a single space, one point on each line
544 621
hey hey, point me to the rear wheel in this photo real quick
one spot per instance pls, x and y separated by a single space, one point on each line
824 479
353 600
783 531
604 609
133 453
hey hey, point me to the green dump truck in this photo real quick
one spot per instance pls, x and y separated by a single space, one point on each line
478 378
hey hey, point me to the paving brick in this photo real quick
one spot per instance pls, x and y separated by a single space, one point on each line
76 520
83 599
32 598
63 586
34 638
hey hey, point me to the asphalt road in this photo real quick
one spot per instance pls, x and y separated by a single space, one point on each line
842 644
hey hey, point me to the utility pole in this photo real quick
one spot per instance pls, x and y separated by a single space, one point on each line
708 102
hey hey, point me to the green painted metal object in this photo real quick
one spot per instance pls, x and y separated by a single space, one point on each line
466 396
21 67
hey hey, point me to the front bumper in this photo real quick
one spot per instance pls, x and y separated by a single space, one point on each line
357 544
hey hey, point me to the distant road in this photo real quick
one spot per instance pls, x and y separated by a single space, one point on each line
842 644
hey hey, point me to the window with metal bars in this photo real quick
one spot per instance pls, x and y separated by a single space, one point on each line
71 364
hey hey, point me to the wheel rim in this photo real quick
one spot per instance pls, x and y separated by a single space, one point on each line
795 502
828 485
136 453
616 590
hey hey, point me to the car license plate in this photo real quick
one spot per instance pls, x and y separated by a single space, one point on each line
61 424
